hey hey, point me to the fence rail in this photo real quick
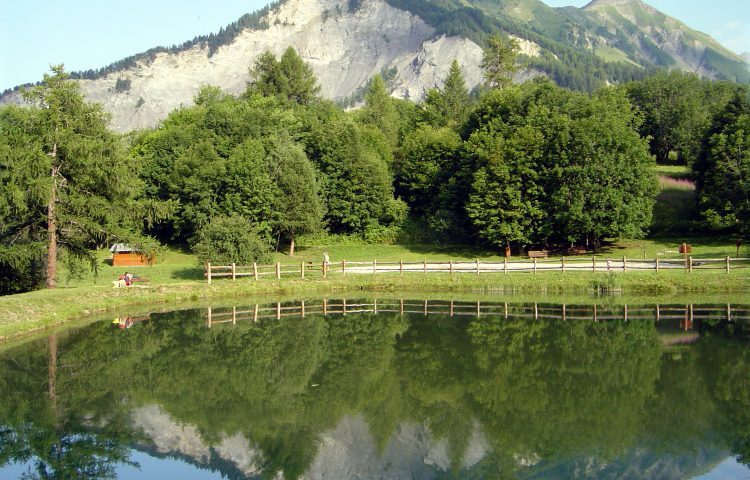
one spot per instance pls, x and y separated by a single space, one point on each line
685 315
534 265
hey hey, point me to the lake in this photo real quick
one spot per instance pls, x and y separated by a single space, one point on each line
386 388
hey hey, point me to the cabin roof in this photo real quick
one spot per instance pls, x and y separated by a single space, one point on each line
122 248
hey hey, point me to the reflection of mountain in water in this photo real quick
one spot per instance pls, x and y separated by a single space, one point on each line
391 395
637 464
347 451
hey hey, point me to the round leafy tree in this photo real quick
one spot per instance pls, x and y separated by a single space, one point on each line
230 239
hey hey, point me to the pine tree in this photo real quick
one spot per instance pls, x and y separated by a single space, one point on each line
379 110
455 94
499 61
86 178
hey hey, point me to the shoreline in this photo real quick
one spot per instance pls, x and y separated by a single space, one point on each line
32 312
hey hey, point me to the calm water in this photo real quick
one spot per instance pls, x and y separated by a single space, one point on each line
466 390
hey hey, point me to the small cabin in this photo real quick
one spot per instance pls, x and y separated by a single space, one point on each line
123 255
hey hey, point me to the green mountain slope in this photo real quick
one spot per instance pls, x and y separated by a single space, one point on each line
624 37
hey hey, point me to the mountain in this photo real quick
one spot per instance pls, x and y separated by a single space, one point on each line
663 40
412 43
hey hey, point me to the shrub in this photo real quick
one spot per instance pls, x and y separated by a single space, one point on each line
230 240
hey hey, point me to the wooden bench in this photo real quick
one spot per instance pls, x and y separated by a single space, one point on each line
537 253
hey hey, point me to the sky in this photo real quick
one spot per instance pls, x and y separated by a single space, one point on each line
90 34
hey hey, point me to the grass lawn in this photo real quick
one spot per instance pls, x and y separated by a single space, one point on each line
176 267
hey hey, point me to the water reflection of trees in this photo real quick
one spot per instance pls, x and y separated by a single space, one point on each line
542 391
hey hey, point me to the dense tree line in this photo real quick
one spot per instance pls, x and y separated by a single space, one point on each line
514 165
701 124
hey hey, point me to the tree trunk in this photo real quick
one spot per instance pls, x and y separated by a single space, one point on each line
52 374
52 225
291 247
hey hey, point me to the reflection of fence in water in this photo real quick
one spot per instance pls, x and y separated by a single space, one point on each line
686 314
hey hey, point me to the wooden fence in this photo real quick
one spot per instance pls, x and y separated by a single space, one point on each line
534 265
686 315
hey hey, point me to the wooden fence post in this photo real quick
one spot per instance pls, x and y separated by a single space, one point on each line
302 307
401 302
255 270
505 265
609 264
690 264
727 266
234 315
425 266
477 266
374 267
278 270
325 306
401 267
593 263
657 264
562 264
302 269
209 317
255 314
325 269
343 267
234 272
451 269
624 264
278 310
534 264
208 272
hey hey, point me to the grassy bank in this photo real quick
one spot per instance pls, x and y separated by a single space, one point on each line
20 314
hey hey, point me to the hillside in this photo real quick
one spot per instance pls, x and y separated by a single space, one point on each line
347 42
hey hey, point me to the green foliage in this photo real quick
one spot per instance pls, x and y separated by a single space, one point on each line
724 170
66 181
450 105
297 208
677 112
290 78
551 165
357 184
379 110
499 61
226 240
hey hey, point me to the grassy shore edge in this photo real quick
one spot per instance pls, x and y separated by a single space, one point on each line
34 311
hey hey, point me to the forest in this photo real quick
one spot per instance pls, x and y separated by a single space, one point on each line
234 177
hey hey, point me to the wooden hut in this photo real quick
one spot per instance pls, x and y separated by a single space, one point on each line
123 255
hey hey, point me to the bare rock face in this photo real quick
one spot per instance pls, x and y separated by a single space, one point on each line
344 48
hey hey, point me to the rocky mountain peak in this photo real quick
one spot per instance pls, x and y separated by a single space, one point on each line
412 44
